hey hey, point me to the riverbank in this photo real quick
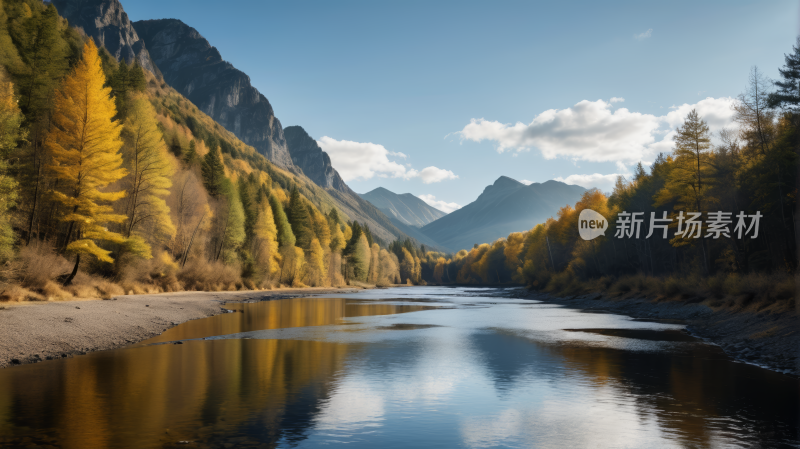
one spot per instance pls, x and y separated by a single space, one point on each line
33 332
769 339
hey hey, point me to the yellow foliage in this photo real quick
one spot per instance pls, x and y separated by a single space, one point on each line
265 243
149 180
84 143
315 267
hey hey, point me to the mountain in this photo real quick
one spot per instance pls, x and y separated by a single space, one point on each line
108 24
504 207
196 69
309 157
405 207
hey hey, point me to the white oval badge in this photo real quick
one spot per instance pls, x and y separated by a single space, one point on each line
591 224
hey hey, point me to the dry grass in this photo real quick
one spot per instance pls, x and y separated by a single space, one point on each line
201 275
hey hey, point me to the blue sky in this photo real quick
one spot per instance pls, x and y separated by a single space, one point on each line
463 87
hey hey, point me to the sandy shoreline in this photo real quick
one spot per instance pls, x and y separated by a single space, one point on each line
33 332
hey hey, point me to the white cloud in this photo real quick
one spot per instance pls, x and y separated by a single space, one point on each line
434 174
643 36
526 182
355 160
603 182
592 131
616 100
443 206
365 160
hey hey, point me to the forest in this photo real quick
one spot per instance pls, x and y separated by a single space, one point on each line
752 171
112 183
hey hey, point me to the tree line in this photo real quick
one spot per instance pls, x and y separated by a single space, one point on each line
108 173
751 171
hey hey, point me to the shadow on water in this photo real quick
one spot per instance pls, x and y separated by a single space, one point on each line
695 393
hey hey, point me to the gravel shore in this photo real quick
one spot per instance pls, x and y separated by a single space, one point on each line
771 340
32 332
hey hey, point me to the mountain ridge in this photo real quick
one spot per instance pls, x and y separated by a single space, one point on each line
503 207
195 68
405 207
108 24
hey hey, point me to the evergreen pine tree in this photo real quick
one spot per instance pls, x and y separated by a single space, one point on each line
44 53
297 213
213 171
190 155
285 234
787 96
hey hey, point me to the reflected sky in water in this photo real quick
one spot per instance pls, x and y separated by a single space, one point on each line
427 366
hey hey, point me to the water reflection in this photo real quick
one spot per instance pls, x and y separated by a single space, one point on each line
505 374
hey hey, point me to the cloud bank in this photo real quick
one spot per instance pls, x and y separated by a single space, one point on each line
443 206
593 131
366 160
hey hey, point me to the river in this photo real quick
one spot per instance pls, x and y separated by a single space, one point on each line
403 367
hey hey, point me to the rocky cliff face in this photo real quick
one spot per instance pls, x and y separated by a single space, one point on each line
196 69
108 24
309 157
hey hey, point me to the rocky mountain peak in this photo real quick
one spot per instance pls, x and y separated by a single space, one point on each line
108 24
195 68
309 157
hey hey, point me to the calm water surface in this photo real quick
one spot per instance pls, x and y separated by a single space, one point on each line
424 367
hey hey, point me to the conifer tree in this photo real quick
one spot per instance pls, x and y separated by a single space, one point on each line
44 53
149 178
320 225
213 171
692 175
10 133
360 259
85 145
315 265
787 96
265 241
285 234
190 155
297 213
234 234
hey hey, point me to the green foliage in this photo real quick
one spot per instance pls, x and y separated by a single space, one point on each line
297 214
190 155
285 235
213 172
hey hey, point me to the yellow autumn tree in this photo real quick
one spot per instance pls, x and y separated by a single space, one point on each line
265 244
85 145
149 179
315 267
374 264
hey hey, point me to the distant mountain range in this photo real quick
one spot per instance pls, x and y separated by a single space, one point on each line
504 207
405 207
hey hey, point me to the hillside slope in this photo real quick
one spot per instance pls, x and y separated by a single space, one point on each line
504 207
405 207
196 69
